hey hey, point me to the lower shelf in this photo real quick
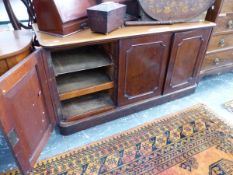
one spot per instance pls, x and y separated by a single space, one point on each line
85 106
71 127
82 83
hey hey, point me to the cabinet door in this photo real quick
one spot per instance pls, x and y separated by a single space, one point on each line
187 54
24 117
142 65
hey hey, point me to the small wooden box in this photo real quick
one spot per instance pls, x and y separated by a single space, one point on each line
132 6
106 17
62 17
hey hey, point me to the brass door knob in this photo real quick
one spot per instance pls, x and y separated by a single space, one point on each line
230 24
221 42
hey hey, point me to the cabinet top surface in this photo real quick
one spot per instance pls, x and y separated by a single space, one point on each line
87 36
14 42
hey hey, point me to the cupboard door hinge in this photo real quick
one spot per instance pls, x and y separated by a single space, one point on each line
13 137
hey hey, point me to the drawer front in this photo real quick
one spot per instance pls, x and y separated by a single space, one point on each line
218 60
224 23
227 6
221 41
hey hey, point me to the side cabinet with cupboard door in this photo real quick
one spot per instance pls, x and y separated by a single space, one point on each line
25 114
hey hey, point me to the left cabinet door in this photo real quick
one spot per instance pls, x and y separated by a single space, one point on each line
142 66
24 115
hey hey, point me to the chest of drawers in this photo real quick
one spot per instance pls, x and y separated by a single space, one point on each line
219 56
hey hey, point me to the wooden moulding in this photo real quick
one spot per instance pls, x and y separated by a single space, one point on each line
85 106
79 59
82 83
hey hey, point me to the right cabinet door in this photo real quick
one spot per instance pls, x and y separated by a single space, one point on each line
187 54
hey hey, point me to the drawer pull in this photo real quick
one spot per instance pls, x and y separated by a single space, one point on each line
216 61
230 24
221 42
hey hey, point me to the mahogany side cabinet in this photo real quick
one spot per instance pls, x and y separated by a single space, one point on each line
85 79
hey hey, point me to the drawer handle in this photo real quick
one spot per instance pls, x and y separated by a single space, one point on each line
230 24
221 42
216 61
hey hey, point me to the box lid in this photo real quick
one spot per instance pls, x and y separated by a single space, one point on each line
106 7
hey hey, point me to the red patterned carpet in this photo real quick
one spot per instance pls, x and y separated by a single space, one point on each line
191 142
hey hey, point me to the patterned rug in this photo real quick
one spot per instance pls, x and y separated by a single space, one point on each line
229 106
190 142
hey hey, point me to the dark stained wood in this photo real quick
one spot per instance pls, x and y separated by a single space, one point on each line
68 128
139 73
177 11
80 59
142 65
24 112
106 17
187 54
51 81
62 17
86 106
82 83
214 11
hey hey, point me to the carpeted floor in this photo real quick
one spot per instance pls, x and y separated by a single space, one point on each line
190 142
213 91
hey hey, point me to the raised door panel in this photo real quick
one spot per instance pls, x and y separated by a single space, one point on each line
24 117
142 67
187 54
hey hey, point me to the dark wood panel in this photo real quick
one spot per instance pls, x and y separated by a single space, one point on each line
187 54
142 66
79 59
86 106
24 115
82 83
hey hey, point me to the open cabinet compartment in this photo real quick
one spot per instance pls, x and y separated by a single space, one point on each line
85 106
85 80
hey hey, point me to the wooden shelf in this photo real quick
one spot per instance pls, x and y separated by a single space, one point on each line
83 58
82 83
86 106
